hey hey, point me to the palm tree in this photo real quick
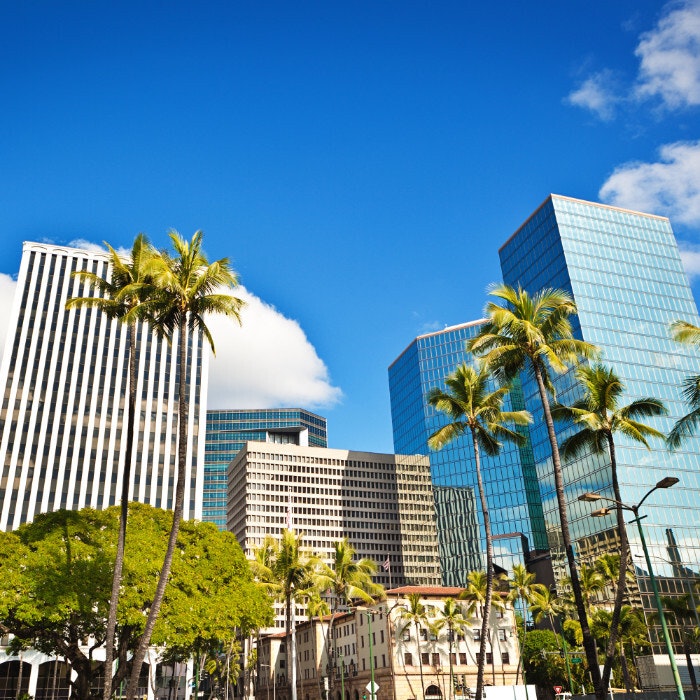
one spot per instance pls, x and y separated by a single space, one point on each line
414 614
452 617
601 416
348 579
679 609
685 427
545 603
523 588
608 566
476 410
317 607
475 594
121 295
591 582
534 333
289 572
188 290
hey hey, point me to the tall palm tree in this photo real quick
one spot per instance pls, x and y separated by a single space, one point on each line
121 294
600 416
476 409
591 581
608 566
188 291
685 427
475 594
452 617
523 587
534 334
544 603
414 613
349 580
288 571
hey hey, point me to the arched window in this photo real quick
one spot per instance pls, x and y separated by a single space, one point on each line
432 692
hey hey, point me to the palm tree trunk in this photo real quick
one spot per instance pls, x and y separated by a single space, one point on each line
121 538
588 643
420 662
183 410
452 680
489 571
622 575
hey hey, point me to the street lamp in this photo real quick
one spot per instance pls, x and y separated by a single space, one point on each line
665 483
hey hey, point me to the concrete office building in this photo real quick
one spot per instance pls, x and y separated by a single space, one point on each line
382 503
64 382
510 480
228 431
625 272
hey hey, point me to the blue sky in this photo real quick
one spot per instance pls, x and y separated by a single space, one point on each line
360 162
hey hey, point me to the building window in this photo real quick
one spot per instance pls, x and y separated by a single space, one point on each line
424 634
476 635
505 658
463 658
408 659
425 658
489 657
501 635
406 637
436 659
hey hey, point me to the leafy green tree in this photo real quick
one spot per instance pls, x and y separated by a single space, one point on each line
55 584
188 291
685 427
600 416
120 296
544 662
591 582
534 334
476 410
544 603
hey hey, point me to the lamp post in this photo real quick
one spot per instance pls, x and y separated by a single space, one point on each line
665 483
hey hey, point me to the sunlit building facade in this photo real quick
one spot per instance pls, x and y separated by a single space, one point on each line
510 480
382 504
64 384
229 430
625 272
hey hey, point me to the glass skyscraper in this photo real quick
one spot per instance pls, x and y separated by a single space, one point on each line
625 273
510 480
229 430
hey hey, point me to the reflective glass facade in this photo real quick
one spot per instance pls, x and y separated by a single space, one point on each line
625 273
229 430
510 479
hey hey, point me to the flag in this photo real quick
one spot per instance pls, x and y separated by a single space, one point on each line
386 564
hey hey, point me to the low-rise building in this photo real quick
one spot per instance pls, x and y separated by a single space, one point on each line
339 656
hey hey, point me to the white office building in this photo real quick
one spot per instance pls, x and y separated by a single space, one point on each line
382 503
64 383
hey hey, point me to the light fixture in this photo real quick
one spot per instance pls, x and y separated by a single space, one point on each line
667 482
600 513
589 496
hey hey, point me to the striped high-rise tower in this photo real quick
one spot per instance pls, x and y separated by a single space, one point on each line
64 383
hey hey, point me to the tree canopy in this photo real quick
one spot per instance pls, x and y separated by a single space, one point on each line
56 578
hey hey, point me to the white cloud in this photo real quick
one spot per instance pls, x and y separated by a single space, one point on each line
690 255
596 94
669 57
7 294
670 186
267 362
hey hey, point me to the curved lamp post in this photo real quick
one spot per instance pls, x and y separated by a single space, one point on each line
665 483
